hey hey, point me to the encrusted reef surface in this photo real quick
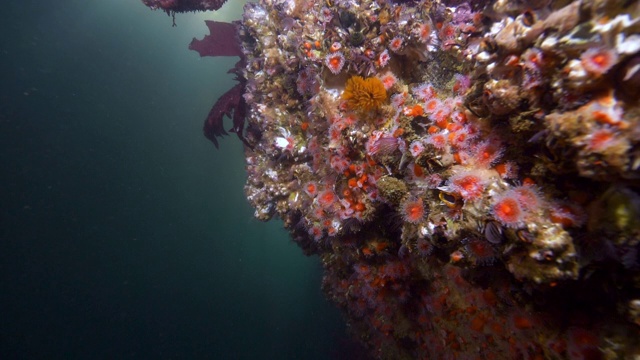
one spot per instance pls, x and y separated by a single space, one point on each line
468 172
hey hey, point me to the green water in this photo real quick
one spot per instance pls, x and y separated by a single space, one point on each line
123 232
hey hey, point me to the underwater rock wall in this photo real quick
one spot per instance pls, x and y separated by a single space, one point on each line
466 171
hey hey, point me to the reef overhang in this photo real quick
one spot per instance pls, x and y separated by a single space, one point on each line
468 172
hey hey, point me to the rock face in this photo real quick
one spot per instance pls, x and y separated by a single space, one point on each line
479 211
486 206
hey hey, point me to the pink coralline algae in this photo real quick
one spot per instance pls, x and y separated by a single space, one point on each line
232 105
488 205
221 41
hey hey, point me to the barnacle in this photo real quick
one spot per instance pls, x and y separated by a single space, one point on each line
347 19
356 38
364 94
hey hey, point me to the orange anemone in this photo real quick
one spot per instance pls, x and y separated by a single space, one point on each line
364 94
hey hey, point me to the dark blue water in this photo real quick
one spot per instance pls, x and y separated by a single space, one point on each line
123 233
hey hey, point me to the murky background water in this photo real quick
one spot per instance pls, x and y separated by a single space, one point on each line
123 232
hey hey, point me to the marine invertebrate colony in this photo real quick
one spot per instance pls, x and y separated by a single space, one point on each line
468 172
184 5
364 94
171 7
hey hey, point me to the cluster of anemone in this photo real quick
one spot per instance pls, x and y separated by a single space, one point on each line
435 159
